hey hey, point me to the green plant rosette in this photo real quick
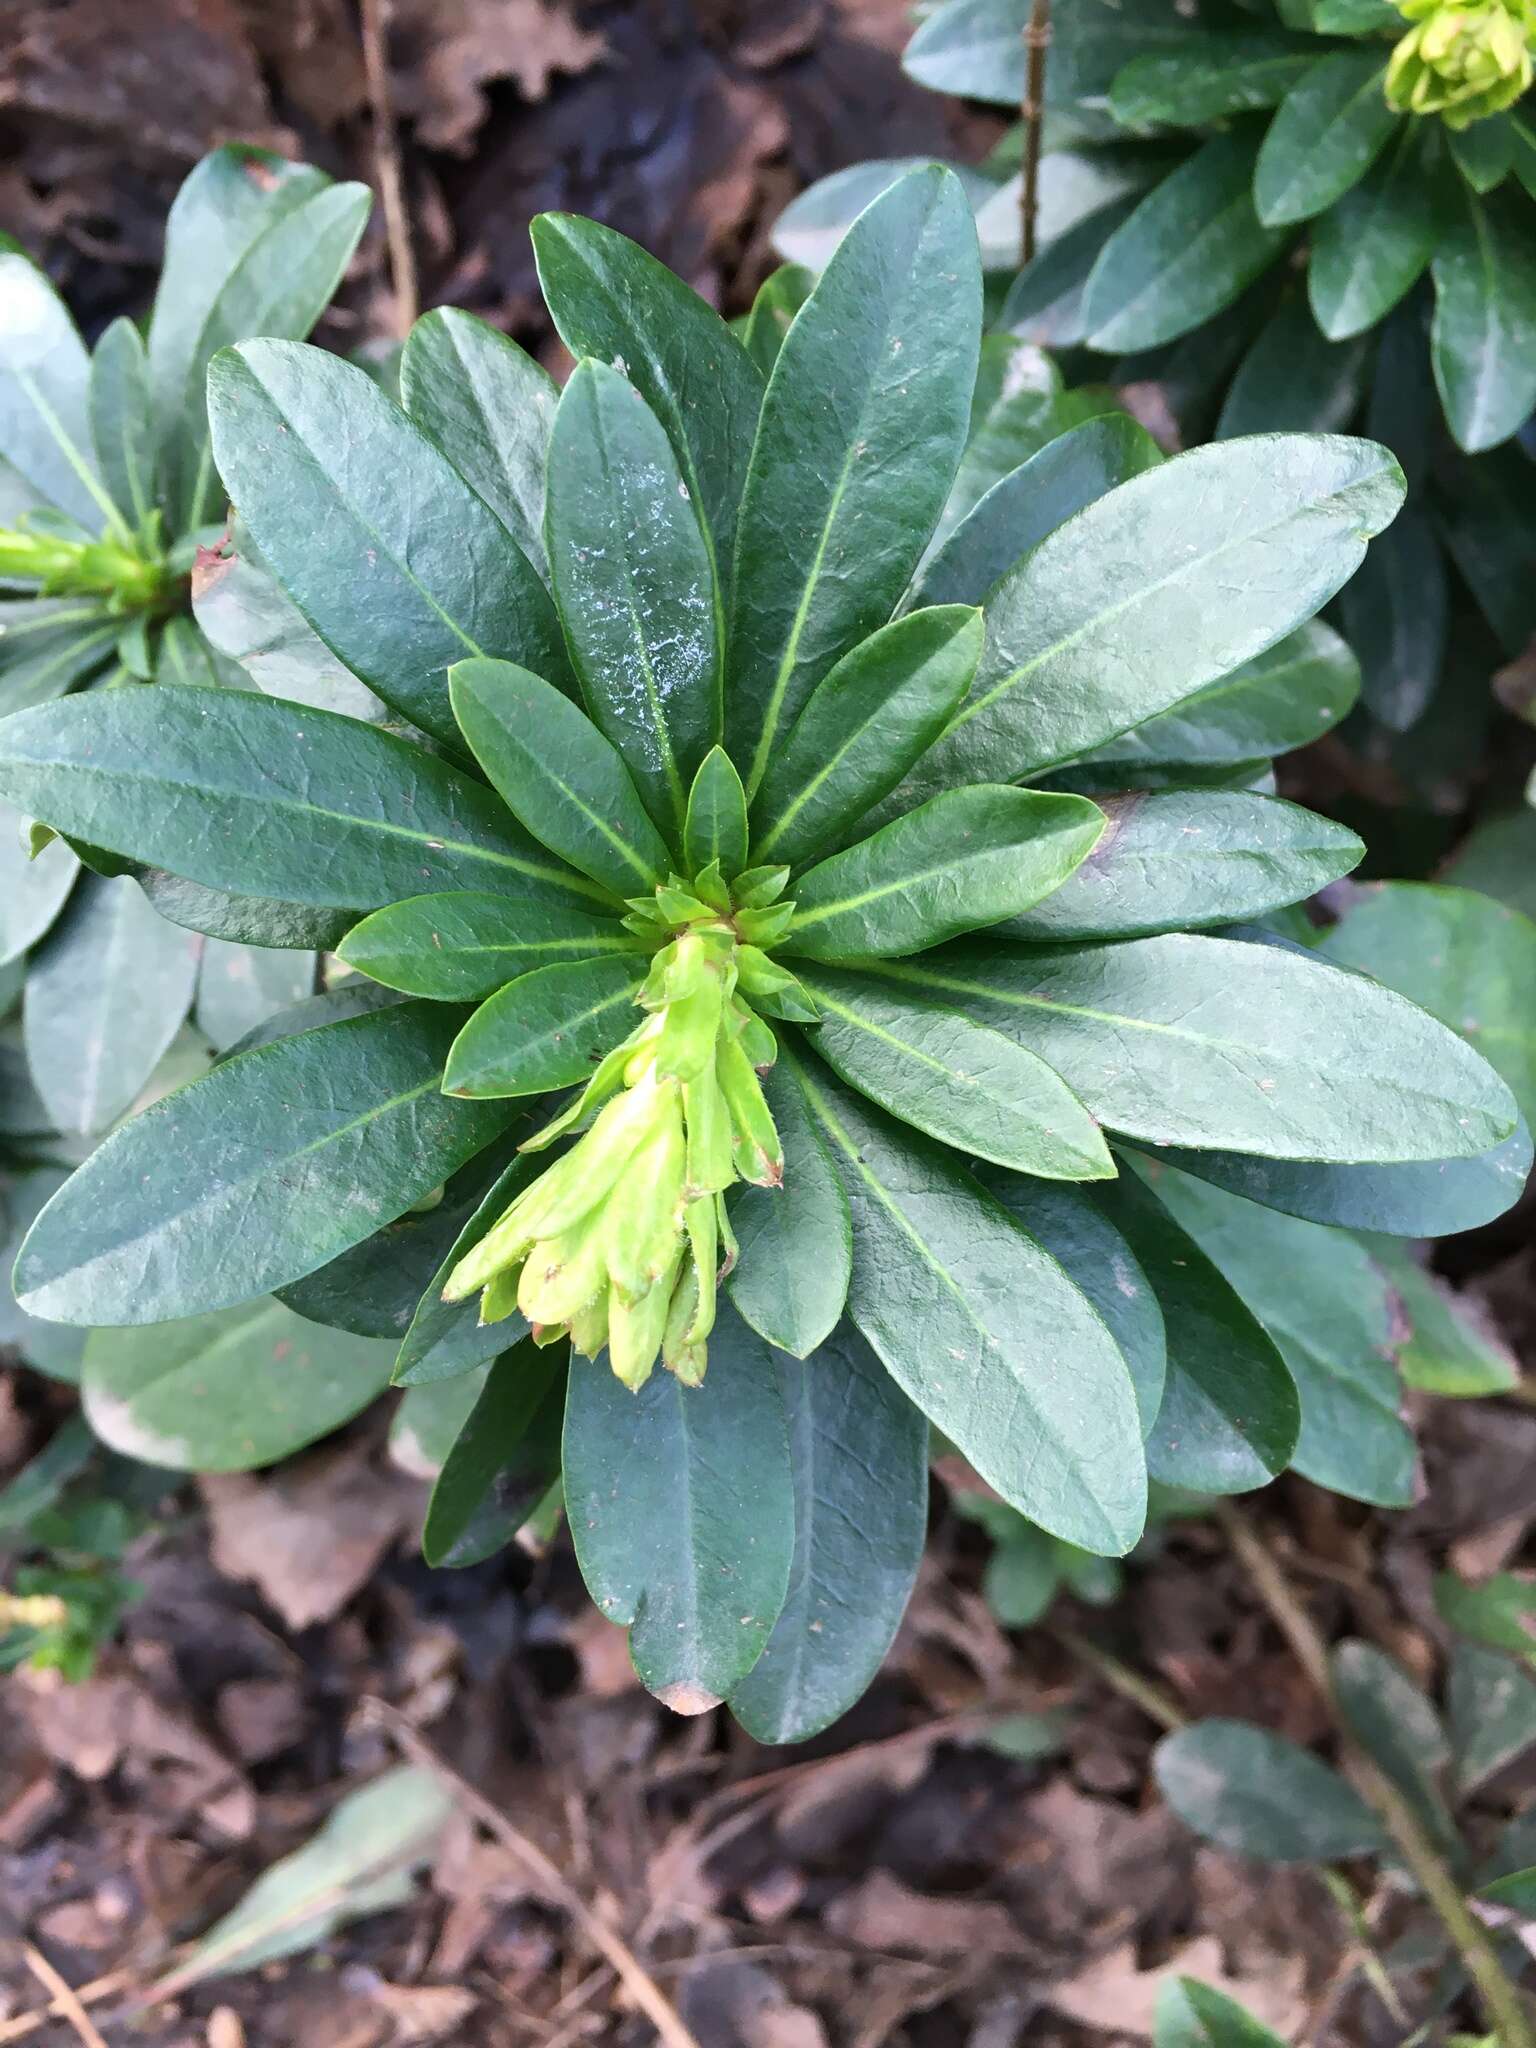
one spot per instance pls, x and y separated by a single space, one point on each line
761 1043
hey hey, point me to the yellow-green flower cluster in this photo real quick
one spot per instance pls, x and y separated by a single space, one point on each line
622 1241
62 566
1462 59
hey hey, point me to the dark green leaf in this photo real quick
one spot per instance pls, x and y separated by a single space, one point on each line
1202 1041
1372 247
107 993
257 1174
239 987
791 1279
227 1391
1045 301
45 426
614 302
715 828
249 619
1485 152
1080 1237
861 429
558 775
1216 75
970 1087
547 1029
398 565
1230 1413
682 1509
122 421
1186 859
779 298
446 1338
243 920
863 727
251 794
1069 473
962 860
1396 612
1396 1725
972 47
1258 1795
986 1332
1489 521
1484 337
1293 379
32 892
1081 646
1186 252
428 1420
859 1454
462 946
1492 1704
1191 2015
1331 127
635 582
1335 1334
490 408
503 1461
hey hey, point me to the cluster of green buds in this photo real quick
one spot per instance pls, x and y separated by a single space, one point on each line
57 562
1462 59
623 1240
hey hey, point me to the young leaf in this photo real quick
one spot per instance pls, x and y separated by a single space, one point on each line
1191 2015
1484 334
1230 1414
558 775
547 1029
791 1279
398 565
1184 859
503 1459
105 997
1007 1357
258 1173
715 828
462 946
490 408
1370 249
45 426
861 429
635 582
1250 1048
967 1086
1331 127
228 1391
612 301
682 1509
122 421
1258 1795
779 298
197 781
1185 253
1021 508
962 860
859 1454
1079 649
864 726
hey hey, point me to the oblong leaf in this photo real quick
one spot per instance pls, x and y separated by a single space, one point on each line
1331 127
864 726
974 48
1483 340
502 1460
243 920
245 615
1241 1047
45 424
1294 379
861 429
228 1391
1216 75
968 1086
1258 1795
398 565
257 1174
490 408
1181 859
715 828
1370 249
859 1453
962 860
122 420
985 1331
558 775
635 584
791 1279
547 1029
252 795
462 945
692 1552
1079 648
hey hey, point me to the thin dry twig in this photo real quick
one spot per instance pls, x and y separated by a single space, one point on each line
1156 1704
1502 2003
386 152
626 1965
65 1997
99 1988
1037 40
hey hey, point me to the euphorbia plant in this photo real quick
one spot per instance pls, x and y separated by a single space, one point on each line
107 489
735 826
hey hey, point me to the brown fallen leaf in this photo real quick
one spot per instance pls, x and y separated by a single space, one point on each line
883 1913
445 52
1114 1993
424 2012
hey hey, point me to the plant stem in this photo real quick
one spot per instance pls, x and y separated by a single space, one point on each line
1130 1685
1502 2003
386 150
1037 40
